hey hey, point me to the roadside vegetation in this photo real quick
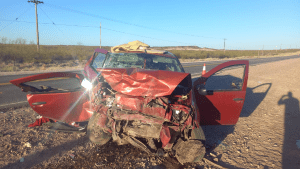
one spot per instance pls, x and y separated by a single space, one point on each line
17 55
220 54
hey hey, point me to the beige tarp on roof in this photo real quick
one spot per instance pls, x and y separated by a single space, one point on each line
134 46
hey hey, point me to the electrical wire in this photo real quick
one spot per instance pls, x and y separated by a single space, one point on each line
127 23
16 19
51 20
98 27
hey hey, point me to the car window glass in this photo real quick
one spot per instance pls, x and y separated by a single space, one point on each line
142 60
98 61
229 78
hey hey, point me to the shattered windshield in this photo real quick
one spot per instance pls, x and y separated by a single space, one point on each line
137 60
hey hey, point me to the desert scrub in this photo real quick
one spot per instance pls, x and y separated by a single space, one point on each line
21 53
200 54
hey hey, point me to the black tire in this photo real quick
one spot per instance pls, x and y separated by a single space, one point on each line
95 133
192 150
199 135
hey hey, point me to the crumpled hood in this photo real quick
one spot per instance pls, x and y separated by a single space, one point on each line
141 82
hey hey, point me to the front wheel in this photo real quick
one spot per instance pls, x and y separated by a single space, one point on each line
95 132
192 150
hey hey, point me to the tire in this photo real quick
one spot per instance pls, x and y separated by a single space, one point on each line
95 133
192 150
198 134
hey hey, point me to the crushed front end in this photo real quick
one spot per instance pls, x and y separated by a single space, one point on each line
157 120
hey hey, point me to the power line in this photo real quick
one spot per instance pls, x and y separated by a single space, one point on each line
16 19
127 23
103 28
51 20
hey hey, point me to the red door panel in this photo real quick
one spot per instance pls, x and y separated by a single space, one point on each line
225 90
68 106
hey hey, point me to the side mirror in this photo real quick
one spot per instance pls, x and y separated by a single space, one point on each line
202 90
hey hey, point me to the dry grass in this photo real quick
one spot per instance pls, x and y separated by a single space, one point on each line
22 57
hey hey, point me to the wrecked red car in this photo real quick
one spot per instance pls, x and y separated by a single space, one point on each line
145 99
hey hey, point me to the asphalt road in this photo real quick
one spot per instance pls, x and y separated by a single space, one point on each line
12 96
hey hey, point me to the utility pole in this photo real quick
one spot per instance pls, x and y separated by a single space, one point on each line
280 46
224 45
36 18
100 35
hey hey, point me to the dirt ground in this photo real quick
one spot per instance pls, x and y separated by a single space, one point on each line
264 137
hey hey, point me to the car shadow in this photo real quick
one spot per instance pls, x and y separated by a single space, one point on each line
290 153
254 96
216 134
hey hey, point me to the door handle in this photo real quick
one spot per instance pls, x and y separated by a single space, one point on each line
238 99
38 103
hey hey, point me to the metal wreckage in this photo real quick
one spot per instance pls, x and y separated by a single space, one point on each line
143 97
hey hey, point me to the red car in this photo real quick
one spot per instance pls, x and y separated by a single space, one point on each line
146 99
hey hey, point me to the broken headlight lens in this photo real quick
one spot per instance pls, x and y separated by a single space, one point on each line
177 115
86 84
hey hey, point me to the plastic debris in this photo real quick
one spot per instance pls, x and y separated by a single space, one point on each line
99 164
27 144
72 156
213 155
22 159
298 144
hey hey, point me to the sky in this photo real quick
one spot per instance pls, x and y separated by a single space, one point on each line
246 25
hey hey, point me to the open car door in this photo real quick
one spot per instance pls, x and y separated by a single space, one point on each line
70 105
220 93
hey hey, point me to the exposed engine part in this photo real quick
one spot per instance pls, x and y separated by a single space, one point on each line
109 101
151 143
135 142
151 124
143 130
178 116
189 151
160 152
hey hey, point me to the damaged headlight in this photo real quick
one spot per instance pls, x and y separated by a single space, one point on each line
86 84
177 115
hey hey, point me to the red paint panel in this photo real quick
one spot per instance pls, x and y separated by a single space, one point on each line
68 107
17 82
220 108
141 82
129 102
138 103
89 72
165 135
